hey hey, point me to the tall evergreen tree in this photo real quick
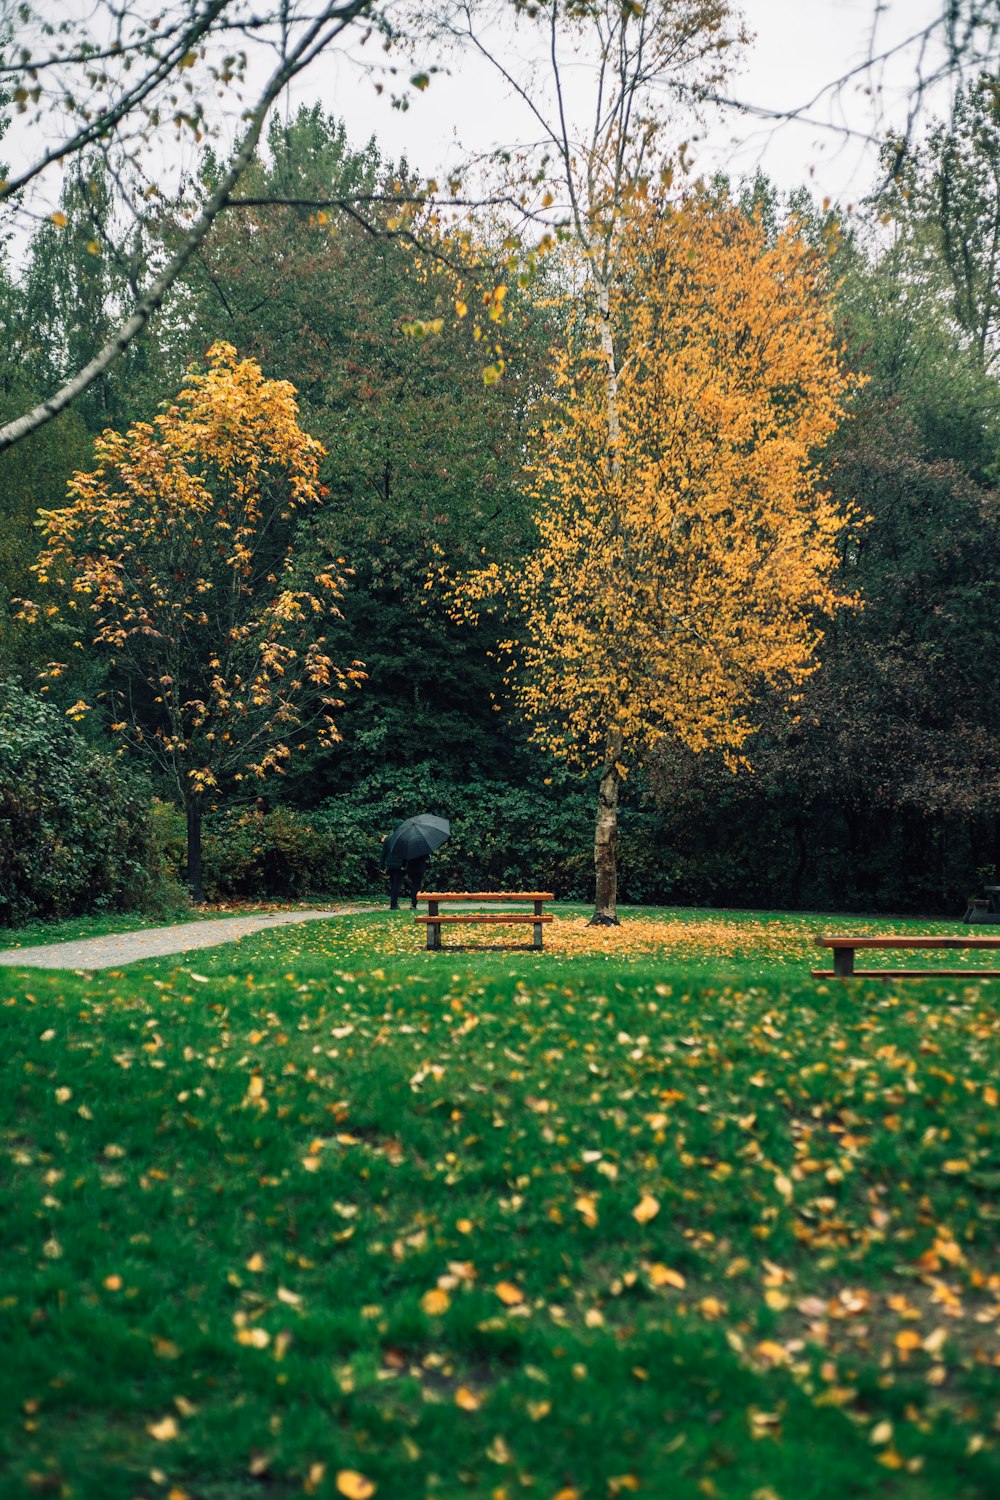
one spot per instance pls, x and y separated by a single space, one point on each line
423 457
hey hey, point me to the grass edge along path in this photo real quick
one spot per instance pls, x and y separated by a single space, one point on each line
333 1215
137 945
103 924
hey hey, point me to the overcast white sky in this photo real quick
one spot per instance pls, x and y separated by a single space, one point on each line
800 47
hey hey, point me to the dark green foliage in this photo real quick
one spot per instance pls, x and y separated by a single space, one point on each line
535 835
423 459
251 854
33 475
529 837
74 827
79 277
958 186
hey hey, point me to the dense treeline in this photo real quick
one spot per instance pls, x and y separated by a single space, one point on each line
879 791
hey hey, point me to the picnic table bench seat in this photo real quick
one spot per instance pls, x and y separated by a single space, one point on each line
435 917
845 945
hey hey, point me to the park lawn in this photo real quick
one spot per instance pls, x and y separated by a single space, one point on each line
650 1212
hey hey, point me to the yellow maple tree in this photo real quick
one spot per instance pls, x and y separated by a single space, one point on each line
192 558
684 549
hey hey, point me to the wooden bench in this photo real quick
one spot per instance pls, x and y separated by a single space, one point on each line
435 917
844 948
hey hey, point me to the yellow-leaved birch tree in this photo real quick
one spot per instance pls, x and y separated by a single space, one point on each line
664 590
605 93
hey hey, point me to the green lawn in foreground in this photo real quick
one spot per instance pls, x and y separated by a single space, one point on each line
322 1208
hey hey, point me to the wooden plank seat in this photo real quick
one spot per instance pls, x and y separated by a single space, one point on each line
845 945
436 917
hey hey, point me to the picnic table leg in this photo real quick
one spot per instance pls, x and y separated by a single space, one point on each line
843 962
538 926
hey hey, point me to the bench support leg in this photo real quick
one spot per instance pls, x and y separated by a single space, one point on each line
843 962
433 934
538 935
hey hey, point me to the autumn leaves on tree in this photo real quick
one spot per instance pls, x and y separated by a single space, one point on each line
681 562
682 554
192 558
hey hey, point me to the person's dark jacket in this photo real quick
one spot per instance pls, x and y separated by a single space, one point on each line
384 862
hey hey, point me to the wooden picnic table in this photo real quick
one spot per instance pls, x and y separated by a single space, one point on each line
845 945
435 917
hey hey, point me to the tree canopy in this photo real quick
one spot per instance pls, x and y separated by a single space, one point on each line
192 554
662 590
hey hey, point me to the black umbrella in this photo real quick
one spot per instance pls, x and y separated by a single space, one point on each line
414 837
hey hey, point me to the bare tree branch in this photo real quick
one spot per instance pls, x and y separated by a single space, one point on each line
330 20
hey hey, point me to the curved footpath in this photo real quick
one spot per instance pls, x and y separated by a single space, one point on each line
119 948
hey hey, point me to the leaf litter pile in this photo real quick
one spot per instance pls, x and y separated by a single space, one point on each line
322 1213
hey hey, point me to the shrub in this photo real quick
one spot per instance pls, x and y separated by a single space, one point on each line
502 836
536 837
250 854
74 827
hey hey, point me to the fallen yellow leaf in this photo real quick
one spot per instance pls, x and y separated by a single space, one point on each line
586 1206
776 1353
353 1485
254 1338
661 1275
164 1430
647 1208
435 1302
509 1293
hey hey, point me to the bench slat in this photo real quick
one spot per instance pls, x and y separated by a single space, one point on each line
484 916
486 896
908 974
896 941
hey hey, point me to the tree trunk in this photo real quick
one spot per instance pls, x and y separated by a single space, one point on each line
613 454
606 838
194 850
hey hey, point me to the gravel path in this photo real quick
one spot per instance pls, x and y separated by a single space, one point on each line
119 948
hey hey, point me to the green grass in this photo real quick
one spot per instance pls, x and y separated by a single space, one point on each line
229 1182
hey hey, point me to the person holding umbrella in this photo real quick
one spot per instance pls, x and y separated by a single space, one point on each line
407 851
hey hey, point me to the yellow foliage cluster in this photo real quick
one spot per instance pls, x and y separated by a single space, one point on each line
684 547
183 556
